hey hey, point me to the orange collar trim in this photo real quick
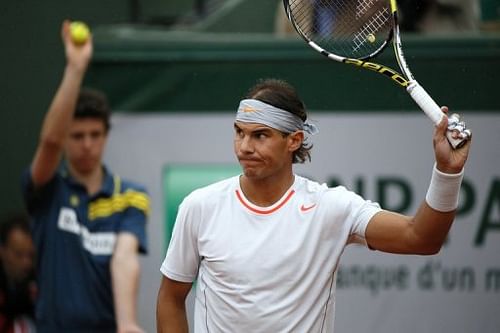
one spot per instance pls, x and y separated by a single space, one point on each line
263 211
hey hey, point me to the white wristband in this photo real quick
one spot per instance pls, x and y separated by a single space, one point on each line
443 191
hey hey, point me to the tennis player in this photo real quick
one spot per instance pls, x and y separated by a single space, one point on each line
264 246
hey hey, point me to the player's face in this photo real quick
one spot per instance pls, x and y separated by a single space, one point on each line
85 145
262 151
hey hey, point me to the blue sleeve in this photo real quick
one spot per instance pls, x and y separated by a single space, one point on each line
134 222
136 214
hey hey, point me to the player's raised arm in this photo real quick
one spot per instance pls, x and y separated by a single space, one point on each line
425 232
60 114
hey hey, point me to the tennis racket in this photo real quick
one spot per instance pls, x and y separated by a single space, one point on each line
355 31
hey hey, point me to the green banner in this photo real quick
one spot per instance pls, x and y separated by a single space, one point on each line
181 179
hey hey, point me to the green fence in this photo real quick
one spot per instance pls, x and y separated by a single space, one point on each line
154 70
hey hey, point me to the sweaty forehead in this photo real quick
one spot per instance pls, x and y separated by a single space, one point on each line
252 126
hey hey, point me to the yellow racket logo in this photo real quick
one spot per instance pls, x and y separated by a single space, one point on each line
390 73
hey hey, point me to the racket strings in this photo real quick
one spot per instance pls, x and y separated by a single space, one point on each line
349 28
362 7
368 32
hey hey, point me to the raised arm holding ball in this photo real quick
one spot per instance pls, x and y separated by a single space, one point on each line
264 246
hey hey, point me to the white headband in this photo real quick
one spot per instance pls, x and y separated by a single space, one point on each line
255 111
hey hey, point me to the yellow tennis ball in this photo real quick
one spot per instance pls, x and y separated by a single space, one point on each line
371 38
79 32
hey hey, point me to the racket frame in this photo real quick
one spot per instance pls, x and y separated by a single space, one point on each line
404 79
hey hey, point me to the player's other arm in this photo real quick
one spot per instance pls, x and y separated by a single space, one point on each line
171 306
425 232
422 234
125 270
60 114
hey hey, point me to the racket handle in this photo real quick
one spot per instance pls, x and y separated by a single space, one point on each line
425 102
433 111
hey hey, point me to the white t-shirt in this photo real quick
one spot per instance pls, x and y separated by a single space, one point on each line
264 269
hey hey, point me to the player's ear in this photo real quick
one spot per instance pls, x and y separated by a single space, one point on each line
295 140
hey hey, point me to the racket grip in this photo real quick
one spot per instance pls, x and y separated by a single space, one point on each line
432 110
425 102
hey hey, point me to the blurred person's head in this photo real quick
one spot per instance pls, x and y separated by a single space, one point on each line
16 247
88 132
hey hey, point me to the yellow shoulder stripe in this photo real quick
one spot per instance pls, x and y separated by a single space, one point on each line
119 202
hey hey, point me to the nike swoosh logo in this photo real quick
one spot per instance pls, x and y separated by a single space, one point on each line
306 208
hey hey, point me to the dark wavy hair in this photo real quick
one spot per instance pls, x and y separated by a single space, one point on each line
281 94
93 103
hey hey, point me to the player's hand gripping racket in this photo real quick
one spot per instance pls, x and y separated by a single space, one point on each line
354 31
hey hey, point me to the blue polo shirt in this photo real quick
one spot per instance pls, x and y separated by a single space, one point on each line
75 236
